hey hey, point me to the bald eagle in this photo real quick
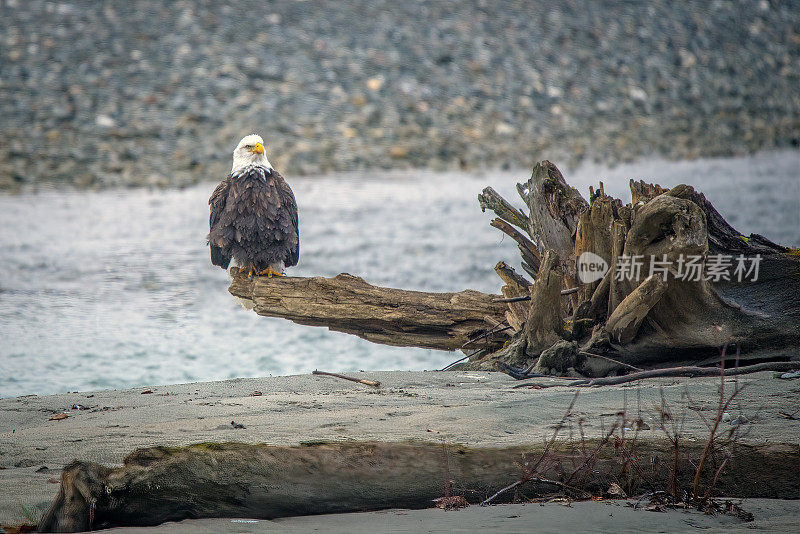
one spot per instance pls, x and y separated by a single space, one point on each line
254 215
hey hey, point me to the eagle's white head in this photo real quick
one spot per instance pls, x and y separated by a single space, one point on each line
250 151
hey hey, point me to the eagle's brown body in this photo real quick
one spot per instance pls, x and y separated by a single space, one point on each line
254 221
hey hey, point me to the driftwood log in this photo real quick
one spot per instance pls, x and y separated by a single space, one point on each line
653 317
346 303
163 484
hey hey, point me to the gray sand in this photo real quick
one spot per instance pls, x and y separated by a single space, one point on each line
607 516
478 409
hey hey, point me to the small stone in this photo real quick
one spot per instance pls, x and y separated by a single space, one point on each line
104 121
554 92
375 84
349 133
615 490
504 128
740 420
637 93
398 151
358 100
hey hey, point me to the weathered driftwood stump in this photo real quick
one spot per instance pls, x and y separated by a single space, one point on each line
646 310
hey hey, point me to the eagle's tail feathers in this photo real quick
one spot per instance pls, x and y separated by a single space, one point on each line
219 258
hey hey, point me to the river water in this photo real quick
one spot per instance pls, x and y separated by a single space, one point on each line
115 289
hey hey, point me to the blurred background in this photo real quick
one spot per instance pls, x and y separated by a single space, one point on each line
140 92
118 118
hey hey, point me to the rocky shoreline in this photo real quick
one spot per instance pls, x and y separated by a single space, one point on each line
139 93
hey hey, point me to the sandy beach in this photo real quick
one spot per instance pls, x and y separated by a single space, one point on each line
607 516
469 408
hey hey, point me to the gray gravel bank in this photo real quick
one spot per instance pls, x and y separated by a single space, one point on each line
140 92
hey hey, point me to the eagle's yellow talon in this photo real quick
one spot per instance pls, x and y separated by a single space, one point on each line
269 272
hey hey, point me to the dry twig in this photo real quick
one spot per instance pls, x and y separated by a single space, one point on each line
564 292
468 356
530 471
689 371
494 330
612 360
373 383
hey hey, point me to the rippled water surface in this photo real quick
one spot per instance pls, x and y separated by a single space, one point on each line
113 289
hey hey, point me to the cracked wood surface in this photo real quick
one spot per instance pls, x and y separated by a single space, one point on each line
389 316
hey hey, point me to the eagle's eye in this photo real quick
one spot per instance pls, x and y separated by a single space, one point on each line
248 146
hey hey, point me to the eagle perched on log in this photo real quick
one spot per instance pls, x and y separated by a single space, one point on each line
254 215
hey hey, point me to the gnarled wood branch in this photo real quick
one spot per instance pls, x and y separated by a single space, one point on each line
545 325
531 259
624 323
346 303
492 200
554 208
516 286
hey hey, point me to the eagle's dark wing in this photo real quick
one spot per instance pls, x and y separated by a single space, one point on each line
217 203
287 200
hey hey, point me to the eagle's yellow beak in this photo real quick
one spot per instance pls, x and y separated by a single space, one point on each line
258 149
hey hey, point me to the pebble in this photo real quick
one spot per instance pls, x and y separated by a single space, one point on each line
791 375
106 95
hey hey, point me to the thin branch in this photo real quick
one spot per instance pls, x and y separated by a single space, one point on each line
489 198
503 490
530 254
564 292
592 458
470 355
690 371
710 441
373 383
494 330
542 481
716 475
612 360
513 299
530 470
515 372
723 407
575 381
510 276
